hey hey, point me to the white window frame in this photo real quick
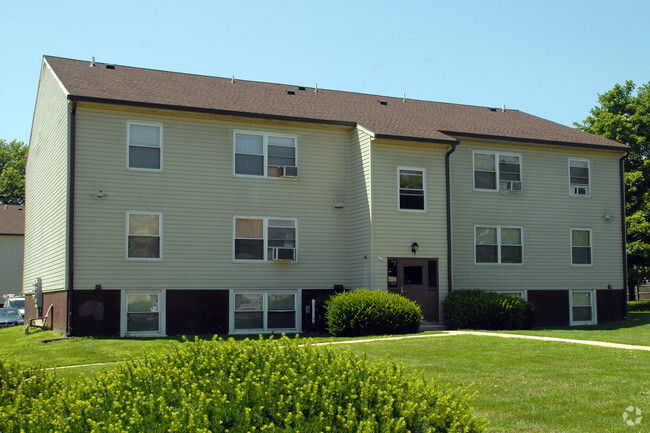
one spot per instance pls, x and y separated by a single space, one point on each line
424 189
297 293
591 247
593 305
162 321
128 146
522 293
265 150
160 236
499 245
266 238
571 186
496 168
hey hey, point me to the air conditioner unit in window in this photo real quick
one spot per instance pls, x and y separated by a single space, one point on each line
510 185
284 254
580 190
289 171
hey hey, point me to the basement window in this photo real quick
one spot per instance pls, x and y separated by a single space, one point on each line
143 313
264 311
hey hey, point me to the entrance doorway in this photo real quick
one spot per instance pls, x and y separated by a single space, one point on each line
416 279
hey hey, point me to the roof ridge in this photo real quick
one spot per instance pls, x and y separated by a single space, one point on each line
320 89
384 115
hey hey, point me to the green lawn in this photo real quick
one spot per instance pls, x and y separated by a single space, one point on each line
520 385
532 386
635 330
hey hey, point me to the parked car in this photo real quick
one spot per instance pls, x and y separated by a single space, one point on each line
10 317
16 302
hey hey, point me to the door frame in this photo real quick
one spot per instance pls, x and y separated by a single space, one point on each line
430 271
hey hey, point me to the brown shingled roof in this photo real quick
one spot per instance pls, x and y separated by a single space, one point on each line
413 119
12 219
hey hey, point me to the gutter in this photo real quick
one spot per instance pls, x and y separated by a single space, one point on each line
624 235
448 188
70 216
533 140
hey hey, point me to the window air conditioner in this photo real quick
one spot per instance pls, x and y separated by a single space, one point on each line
289 171
580 190
511 185
284 254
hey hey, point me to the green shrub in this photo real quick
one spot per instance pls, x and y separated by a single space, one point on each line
480 309
263 385
371 312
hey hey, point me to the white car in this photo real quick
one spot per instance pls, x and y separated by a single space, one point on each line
16 302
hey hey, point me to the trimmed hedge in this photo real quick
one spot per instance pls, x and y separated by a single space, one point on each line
241 386
480 309
371 312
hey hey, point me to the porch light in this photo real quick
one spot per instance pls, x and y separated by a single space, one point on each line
414 247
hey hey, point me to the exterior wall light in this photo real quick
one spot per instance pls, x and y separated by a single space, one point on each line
414 247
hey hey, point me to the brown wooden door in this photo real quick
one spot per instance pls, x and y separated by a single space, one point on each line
416 279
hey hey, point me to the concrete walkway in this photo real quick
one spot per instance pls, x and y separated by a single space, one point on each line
562 340
494 334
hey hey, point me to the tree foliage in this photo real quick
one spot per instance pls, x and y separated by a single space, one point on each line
13 158
624 116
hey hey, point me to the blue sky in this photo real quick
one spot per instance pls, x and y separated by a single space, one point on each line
548 58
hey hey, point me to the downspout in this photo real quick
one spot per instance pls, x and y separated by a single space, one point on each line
448 186
71 185
624 235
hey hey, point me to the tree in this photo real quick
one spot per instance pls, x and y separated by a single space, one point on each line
13 158
624 116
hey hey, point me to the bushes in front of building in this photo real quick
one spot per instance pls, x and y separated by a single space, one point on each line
481 309
371 312
240 386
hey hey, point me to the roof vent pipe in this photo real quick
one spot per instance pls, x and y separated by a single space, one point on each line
92 62
403 98
232 81
316 88
503 108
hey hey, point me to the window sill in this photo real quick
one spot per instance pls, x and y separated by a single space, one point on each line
145 170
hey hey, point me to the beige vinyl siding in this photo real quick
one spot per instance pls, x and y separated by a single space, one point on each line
394 230
46 188
359 225
199 196
546 212
11 263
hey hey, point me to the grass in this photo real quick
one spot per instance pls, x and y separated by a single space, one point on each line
532 386
521 385
635 330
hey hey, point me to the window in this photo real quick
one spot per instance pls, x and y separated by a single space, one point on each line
266 155
581 247
265 239
498 244
144 235
144 143
521 294
492 176
143 313
583 310
411 189
579 184
264 311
